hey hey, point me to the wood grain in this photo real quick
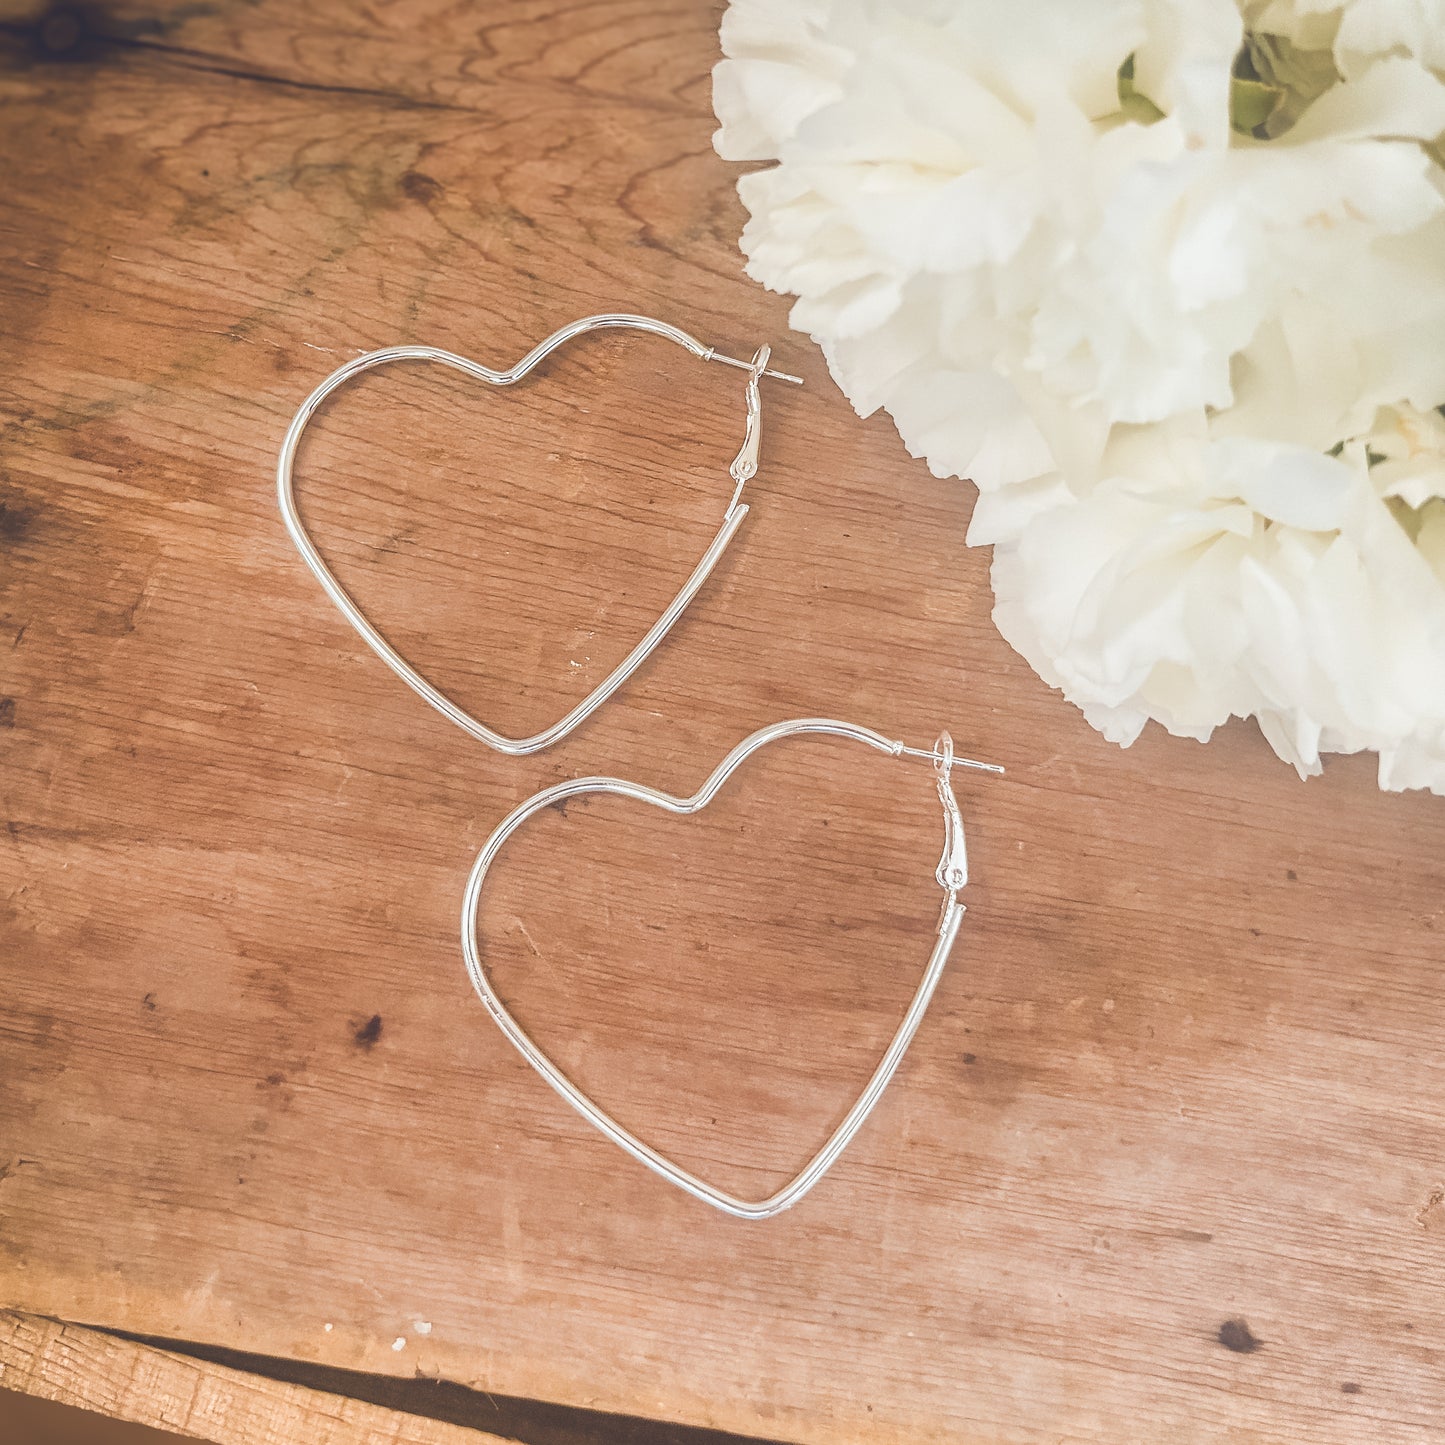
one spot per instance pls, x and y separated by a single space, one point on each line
1166 1161
194 1398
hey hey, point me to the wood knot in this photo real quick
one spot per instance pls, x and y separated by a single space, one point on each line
61 33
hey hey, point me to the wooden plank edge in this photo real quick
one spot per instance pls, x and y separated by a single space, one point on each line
128 1381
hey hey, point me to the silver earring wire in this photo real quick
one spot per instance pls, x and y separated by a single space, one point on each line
743 468
952 875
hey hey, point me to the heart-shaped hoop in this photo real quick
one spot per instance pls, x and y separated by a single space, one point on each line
952 874
744 467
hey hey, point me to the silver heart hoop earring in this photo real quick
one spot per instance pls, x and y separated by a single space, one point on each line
744 467
952 874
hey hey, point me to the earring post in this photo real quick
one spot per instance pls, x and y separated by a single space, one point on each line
934 756
711 355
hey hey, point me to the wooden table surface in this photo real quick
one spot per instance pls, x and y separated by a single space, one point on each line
1167 1160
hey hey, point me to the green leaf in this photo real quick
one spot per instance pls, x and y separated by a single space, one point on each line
1251 103
1298 76
1134 104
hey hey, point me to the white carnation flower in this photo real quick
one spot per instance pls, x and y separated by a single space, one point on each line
1166 280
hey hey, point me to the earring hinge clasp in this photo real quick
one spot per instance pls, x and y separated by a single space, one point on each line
745 464
952 872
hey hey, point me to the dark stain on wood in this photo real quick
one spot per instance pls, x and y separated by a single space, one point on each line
7 712
421 187
368 1033
15 522
1237 1336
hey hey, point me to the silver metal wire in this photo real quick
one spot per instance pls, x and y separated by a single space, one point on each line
952 875
743 468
